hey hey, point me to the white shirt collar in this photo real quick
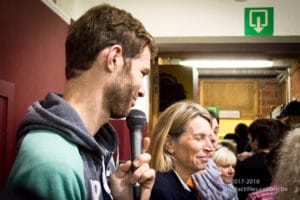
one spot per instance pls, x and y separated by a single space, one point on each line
184 185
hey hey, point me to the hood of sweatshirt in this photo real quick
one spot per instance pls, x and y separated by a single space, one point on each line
55 114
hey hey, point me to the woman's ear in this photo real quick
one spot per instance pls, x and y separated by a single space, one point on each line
169 145
254 143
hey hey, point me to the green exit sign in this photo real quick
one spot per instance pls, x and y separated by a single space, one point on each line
259 21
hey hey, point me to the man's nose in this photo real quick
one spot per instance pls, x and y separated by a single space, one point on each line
141 92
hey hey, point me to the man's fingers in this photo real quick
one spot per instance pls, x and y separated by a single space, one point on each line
146 143
141 159
123 169
142 174
147 175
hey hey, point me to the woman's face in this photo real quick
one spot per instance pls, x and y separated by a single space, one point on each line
227 172
191 150
214 137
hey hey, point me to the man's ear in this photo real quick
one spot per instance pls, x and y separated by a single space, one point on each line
112 56
169 145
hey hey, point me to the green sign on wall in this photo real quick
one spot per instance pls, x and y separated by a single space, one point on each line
259 21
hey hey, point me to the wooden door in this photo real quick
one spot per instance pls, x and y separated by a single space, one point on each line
241 95
6 128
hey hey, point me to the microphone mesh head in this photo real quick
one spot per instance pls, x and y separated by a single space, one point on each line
136 119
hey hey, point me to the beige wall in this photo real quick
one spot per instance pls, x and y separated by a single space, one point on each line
169 18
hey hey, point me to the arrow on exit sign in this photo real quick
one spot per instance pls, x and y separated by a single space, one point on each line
259 21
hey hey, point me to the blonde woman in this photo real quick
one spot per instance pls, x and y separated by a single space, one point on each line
226 160
209 182
180 147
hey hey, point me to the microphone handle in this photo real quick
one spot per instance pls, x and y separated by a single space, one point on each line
137 191
136 149
135 143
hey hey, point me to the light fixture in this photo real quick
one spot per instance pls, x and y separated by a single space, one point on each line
217 64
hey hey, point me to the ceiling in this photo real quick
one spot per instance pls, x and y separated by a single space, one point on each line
267 46
284 50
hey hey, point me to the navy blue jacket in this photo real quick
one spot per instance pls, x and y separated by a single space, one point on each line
167 186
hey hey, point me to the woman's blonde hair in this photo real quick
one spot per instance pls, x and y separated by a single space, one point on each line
224 156
172 123
230 144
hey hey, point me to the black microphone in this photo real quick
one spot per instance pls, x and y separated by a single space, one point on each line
136 121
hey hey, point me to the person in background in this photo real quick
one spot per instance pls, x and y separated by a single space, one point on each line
209 182
233 137
288 171
268 193
272 163
65 142
243 145
241 130
226 160
230 144
180 146
215 127
252 174
290 114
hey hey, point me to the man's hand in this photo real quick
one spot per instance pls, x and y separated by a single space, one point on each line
123 180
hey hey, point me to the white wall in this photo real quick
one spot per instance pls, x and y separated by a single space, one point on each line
169 18
142 103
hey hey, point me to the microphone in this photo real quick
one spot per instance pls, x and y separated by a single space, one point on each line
136 121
